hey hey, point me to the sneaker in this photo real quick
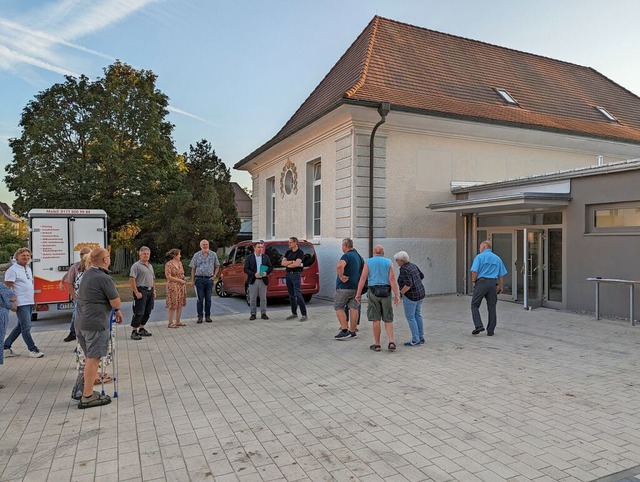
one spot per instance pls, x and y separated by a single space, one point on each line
135 335
70 337
208 319
36 353
199 319
421 341
252 317
352 334
342 335
292 316
264 316
143 332
410 343
303 318
8 353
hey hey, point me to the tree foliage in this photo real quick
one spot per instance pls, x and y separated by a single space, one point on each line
203 208
10 241
96 145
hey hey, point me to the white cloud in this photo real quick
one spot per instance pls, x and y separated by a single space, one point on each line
185 113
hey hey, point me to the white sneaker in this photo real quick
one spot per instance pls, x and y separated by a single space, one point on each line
36 353
8 353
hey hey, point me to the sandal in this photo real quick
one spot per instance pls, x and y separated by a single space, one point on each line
103 378
95 400
375 347
181 324
172 325
392 346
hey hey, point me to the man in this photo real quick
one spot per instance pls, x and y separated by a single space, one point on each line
379 273
258 267
20 279
293 262
348 275
68 280
97 297
141 279
487 270
204 268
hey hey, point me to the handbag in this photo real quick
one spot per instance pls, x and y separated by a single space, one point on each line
381 291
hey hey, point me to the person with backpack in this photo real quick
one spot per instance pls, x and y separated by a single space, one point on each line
348 274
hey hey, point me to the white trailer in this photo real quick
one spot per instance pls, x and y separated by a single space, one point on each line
56 237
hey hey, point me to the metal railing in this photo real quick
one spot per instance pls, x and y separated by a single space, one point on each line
632 284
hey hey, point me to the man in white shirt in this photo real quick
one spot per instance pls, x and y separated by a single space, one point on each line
20 279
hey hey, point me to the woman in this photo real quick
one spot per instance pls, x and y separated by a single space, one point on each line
176 288
7 302
412 293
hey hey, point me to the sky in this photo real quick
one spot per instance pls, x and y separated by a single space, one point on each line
235 71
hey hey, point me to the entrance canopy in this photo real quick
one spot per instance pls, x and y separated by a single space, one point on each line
523 201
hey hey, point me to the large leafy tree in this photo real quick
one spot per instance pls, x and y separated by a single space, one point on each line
204 206
104 145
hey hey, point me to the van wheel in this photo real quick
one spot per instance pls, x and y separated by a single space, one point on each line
306 298
220 289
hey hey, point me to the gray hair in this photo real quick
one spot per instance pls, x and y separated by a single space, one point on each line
401 256
348 242
144 248
20 251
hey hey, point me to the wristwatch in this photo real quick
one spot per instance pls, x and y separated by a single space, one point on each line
116 309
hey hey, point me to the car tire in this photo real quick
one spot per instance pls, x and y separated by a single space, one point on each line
219 287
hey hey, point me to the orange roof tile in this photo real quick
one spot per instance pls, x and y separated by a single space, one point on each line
424 71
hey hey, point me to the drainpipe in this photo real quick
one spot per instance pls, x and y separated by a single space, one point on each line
383 110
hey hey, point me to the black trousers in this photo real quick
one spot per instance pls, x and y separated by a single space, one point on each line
484 289
142 308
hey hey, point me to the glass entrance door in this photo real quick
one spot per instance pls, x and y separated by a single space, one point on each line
533 267
503 246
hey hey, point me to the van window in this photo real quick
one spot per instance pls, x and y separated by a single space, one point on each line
276 253
232 253
241 252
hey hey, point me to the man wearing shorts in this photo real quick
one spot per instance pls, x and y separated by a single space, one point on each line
379 273
97 296
348 270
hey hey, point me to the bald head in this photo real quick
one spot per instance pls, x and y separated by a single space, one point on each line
100 257
378 250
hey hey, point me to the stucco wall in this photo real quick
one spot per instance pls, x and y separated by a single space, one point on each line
607 256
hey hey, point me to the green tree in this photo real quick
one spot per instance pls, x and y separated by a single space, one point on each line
10 241
204 207
102 145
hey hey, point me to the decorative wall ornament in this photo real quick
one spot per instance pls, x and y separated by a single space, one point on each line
289 179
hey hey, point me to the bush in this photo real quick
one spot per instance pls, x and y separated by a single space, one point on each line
9 242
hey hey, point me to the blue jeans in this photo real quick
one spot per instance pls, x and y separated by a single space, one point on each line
22 328
204 286
294 288
72 325
414 318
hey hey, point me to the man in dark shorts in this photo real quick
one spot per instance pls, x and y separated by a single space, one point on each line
293 262
97 296
348 276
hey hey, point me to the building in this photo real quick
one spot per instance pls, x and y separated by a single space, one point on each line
244 206
461 111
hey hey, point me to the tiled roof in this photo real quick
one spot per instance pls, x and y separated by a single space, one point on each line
433 73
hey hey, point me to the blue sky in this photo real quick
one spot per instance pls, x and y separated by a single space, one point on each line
236 70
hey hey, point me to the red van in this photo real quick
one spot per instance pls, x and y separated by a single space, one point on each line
233 280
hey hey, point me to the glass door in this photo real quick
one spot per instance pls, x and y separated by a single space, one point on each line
533 267
503 246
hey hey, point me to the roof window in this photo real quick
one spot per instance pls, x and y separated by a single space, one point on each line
605 113
506 96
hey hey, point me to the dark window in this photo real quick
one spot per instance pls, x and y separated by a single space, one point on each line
241 252
276 253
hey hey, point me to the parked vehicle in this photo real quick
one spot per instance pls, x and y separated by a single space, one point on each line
233 279
56 237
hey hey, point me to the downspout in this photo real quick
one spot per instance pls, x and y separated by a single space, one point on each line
383 110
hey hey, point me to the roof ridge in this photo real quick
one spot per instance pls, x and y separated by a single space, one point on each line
484 43
352 91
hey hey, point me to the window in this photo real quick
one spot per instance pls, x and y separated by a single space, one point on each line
506 96
619 218
605 113
271 207
317 198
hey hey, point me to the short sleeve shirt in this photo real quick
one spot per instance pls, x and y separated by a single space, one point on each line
22 279
292 256
351 269
488 265
94 293
143 273
204 265
71 275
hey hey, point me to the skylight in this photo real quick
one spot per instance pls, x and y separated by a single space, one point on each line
605 113
506 96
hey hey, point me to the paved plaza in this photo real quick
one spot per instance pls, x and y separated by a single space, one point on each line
552 397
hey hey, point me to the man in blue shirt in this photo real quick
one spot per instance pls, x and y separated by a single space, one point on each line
487 272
